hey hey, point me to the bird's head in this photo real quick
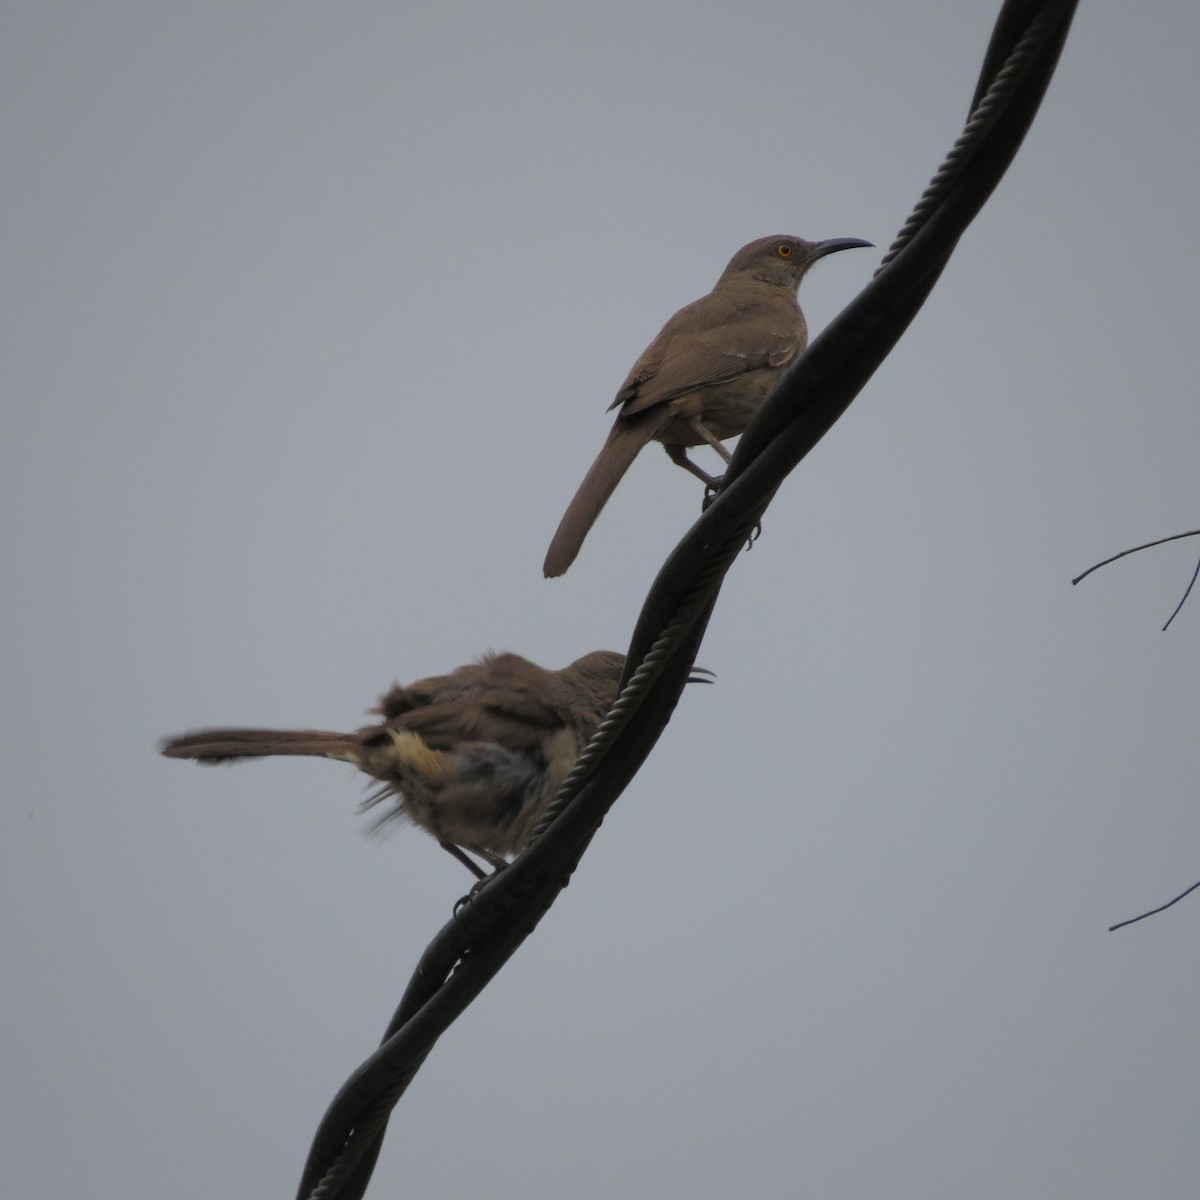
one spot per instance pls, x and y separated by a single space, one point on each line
782 260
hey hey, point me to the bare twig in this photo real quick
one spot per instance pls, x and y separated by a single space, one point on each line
1183 599
1160 908
1133 550
1146 546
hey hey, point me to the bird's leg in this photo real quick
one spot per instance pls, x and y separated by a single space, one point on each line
705 435
495 861
713 488
461 855
678 455
712 482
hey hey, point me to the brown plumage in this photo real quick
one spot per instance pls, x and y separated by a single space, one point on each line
705 375
472 757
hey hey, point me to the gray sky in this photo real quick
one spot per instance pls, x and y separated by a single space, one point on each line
313 315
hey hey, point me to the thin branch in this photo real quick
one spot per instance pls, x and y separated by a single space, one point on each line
1160 908
1133 550
1187 592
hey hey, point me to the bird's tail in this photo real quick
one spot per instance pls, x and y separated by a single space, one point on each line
225 745
626 438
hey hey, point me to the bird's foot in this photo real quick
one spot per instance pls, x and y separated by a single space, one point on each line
712 489
478 887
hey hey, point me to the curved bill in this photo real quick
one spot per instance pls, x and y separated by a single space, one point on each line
833 245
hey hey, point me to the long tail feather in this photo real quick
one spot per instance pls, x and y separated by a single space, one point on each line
625 440
225 745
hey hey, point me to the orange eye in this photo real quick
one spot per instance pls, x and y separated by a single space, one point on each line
784 250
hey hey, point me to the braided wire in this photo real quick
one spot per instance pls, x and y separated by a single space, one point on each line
370 1125
633 693
981 119
334 1180
366 1130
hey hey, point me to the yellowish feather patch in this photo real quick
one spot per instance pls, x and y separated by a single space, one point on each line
410 751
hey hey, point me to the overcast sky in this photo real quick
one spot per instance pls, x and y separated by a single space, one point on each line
313 313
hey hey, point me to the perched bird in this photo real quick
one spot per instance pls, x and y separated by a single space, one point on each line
472 757
705 375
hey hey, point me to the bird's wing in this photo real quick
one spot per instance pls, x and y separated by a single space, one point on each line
695 351
503 699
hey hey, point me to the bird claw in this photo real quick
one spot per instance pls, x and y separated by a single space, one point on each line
476 888
712 490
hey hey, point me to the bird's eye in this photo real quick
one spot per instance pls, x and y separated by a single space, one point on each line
784 250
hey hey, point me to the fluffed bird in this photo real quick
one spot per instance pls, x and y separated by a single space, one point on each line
472 757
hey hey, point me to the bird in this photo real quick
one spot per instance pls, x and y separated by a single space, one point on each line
704 376
472 757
